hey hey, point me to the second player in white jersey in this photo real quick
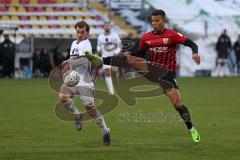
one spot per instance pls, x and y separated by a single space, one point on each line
108 45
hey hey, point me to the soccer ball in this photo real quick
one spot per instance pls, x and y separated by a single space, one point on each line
71 78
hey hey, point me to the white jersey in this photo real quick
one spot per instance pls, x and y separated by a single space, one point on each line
79 49
80 63
108 45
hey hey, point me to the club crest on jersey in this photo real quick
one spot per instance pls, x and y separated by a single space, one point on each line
165 40
148 42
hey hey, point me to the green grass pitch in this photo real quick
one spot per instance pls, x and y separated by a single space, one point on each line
29 129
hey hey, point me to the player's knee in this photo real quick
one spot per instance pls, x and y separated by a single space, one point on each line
108 72
63 97
91 111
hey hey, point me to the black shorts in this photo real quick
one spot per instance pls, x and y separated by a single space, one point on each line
162 76
107 60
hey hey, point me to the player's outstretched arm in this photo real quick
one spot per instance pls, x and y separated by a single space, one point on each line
195 56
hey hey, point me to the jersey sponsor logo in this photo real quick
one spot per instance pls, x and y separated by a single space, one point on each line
165 40
109 46
75 51
158 49
74 54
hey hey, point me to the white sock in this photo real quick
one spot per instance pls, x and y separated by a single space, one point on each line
101 122
192 129
109 84
71 107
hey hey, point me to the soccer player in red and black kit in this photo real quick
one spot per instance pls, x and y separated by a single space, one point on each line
160 47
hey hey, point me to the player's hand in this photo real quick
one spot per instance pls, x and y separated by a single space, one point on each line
65 66
64 62
196 57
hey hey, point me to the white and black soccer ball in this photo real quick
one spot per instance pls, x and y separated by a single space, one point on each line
71 78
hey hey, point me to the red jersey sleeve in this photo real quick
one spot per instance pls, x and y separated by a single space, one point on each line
179 38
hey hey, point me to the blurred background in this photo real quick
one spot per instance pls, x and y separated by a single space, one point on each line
36 35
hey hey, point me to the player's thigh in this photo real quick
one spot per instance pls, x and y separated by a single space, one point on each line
87 96
107 69
138 63
162 76
65 93
175 97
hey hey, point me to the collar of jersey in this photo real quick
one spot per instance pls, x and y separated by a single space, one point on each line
157 33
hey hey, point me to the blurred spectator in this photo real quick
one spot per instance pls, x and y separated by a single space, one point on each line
67 54
7 48
45 63
27 72
37 63
223 48
236 48
58 57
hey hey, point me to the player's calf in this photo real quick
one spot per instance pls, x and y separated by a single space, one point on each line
177 103
67 102
79 121
93 112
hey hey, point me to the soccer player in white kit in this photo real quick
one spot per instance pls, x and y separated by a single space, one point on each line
85 87
108 45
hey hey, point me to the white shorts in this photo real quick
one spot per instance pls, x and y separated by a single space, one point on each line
86 93
106 66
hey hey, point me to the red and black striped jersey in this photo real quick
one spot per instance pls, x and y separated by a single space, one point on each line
161 48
